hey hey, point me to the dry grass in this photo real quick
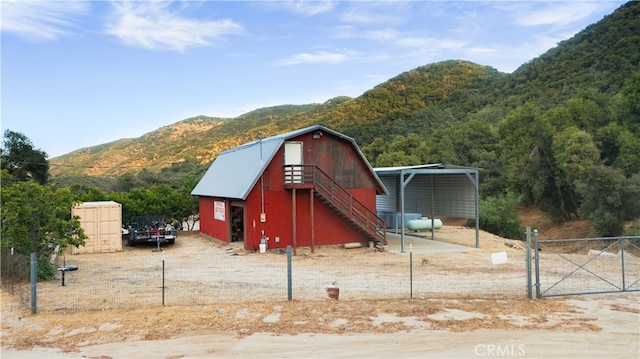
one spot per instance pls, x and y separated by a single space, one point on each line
548 229
70 330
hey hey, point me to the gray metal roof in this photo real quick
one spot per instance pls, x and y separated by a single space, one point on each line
234 172
387 170
428 168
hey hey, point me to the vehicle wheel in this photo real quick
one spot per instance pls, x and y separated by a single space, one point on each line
172 241
130 241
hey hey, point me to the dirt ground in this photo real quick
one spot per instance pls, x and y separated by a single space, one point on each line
593 326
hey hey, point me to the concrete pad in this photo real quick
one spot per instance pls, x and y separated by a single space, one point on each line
420 244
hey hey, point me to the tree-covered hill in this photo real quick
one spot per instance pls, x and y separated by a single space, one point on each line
562 131
201 138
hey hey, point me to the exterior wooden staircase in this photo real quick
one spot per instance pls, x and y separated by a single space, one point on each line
338 199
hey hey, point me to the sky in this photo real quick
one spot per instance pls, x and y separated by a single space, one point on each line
77 74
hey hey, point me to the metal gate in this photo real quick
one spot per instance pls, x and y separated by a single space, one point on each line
586 265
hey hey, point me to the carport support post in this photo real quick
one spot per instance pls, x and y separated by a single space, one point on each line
433 211
528 259
403 184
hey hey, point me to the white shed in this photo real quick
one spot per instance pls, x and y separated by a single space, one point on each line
102 223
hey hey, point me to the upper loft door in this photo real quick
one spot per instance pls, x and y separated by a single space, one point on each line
293 157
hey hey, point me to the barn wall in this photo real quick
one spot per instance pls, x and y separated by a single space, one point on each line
332 155
337 158
208 224
330 229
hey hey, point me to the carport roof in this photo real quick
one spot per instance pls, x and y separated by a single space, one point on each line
441 168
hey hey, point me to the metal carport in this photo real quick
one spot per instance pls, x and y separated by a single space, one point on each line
433 189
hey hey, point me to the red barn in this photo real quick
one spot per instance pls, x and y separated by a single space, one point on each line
305 188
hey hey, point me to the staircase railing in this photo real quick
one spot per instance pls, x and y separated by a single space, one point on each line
305 176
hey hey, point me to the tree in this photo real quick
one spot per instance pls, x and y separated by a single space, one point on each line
608 198
22 160
191 212
575 153
374 149
401 151
472 143
38 219
127 182
629 153
630 106
86 193
524 140
176 206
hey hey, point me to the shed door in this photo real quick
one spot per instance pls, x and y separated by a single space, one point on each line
90 224
293 156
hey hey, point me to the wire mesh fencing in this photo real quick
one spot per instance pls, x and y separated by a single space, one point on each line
587 266
198 271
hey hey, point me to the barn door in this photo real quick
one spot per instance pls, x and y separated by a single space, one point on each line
293 157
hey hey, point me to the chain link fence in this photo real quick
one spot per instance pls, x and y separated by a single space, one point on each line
587 266
198 271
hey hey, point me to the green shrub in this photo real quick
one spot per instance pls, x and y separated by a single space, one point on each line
633 230
499 215
46 271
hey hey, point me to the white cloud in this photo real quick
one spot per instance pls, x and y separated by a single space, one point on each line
355 17
352 32
508 57
41 20
309 8
561 14
376 12
326 57
425 42
382 35
152 25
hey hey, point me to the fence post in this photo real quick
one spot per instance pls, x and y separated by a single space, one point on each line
410 271
163 280
12 270
289 279
624 286
528 260
34 282
536 255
